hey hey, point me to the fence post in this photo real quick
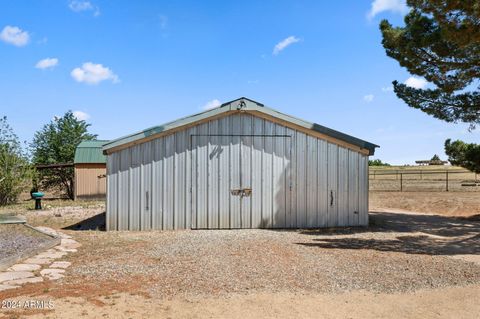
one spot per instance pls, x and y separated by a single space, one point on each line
401 182
446 181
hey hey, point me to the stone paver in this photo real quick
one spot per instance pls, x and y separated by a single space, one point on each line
52 274
6 287
60 264
51 255
69 243
68 250
20 274
24 281
24 267
12 275
38 261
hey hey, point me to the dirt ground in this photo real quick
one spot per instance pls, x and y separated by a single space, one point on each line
441 203
403 266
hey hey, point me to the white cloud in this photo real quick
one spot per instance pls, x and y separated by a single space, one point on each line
15 36
211 104
79 6
284 43
378 6
368 98
416 83
163 21
47 63
81 116
387 89
92 73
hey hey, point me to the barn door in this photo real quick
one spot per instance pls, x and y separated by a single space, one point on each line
240 181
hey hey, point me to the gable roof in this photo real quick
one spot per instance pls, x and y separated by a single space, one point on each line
239 105
90 152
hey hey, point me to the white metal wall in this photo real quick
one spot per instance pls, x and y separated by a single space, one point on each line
150 184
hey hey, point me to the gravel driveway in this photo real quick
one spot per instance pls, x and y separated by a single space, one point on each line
399 253
16 238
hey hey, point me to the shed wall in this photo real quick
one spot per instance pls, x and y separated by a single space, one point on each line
90 181
150 184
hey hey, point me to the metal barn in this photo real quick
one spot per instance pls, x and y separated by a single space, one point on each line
90 170
241 165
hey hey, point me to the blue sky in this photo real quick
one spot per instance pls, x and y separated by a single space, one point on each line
129 65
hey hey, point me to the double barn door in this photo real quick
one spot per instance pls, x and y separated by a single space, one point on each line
240 181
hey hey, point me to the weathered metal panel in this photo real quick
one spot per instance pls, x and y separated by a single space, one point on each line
311 179
342 189
279 177
352 201
169 182
157 186
246 168
134 192
123 189
213 176
181 145
235 173
257 164
267 176
291 220
301 206
363 190
332 218
146 185
224 173
184 180
188 177
322 183
112 188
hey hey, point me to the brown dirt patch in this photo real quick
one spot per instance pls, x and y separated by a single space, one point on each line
441 203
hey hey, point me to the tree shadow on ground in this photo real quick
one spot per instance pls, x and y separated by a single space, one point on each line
96 222
419 234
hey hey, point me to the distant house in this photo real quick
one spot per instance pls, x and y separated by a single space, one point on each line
431 162
90 170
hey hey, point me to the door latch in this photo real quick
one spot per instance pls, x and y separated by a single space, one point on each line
242 192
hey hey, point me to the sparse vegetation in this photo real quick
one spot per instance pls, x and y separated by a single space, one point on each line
377 162
56 143
15 170
463 154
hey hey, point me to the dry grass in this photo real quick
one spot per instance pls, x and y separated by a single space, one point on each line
442 203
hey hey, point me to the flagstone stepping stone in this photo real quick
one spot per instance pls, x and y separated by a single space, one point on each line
60 264
52 274
68 250
12 275
70 243
24 281
47 230
6 287
38 261
24 267
53 255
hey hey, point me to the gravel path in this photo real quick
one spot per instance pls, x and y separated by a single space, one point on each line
394 259
15 238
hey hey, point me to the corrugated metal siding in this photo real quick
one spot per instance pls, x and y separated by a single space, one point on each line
183 180
90 181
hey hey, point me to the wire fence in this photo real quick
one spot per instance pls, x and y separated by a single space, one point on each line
423 181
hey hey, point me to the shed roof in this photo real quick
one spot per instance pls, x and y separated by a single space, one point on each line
90 152
239 105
